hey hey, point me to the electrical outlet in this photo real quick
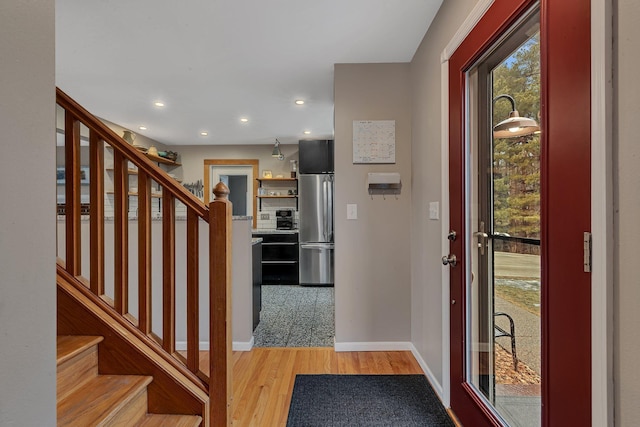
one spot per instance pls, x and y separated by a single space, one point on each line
264 216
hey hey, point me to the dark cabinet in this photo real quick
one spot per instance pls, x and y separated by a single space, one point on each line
279 258
256 252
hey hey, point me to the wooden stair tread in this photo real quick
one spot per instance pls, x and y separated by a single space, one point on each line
153 420
69 346
100 399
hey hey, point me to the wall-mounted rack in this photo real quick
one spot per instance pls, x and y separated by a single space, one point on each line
383 183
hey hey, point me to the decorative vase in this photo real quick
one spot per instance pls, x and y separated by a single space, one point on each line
129 136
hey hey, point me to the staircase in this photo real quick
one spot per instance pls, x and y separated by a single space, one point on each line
86 398
142 372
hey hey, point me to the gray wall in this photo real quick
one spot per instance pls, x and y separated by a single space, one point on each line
627 210
241 275
192 157
27 221
372 258
426 268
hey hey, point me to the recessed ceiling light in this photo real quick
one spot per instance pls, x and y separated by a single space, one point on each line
142 127
204 133
299 102
307 132
244 120
159 104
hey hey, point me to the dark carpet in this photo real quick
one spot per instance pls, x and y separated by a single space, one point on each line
365 400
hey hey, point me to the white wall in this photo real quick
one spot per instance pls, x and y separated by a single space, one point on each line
372 258
426 267
627 213
27 218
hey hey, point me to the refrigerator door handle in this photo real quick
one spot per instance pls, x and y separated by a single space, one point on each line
325 213
326 246
330 225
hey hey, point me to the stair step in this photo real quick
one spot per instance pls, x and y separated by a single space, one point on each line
106 400
159 420
69 346
77 360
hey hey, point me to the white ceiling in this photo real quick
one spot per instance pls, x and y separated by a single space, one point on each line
214 61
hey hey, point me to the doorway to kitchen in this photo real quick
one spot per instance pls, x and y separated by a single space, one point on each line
237 179
242 171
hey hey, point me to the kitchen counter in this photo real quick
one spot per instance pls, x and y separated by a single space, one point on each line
279 256
256 240
272 231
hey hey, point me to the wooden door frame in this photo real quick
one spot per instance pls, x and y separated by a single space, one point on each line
233 162
601 206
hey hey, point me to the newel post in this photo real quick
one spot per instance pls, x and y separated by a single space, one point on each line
220 366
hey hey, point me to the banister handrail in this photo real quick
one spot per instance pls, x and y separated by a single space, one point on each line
218 215
133 155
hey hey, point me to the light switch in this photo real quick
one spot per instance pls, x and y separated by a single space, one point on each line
434 210
352 211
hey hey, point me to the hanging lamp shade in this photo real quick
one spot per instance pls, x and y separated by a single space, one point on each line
515 125
276 151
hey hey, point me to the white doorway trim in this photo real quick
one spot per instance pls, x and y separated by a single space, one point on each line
602 398
216 171
232 162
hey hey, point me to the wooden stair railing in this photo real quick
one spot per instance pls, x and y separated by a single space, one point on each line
218 215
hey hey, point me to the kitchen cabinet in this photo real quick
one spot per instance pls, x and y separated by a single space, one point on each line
279 258
283 189
256 257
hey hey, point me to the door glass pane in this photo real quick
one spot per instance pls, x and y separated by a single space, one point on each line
503 293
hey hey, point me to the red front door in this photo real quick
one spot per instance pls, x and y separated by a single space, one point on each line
564 215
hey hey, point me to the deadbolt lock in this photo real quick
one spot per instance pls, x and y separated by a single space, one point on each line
449 260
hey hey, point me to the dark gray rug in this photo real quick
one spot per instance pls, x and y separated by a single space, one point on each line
365 400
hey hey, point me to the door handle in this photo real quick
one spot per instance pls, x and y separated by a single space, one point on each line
450 260
482 238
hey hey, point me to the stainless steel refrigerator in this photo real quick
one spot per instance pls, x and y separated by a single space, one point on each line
316 229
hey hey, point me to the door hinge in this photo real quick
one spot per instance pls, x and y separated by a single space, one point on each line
587 251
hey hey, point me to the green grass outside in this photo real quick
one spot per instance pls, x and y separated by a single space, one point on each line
524 298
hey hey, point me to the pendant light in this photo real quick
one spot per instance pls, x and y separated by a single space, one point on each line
276 151
515 125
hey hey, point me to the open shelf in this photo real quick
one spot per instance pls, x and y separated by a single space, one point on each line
162 160
129 171
292 182
156 159
276 179
153 195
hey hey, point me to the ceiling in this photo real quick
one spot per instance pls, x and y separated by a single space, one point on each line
213 62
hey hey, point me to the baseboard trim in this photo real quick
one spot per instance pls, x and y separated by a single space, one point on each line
243 345
373 346
437 387
204 345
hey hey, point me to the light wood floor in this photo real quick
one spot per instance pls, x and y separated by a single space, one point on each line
263 377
